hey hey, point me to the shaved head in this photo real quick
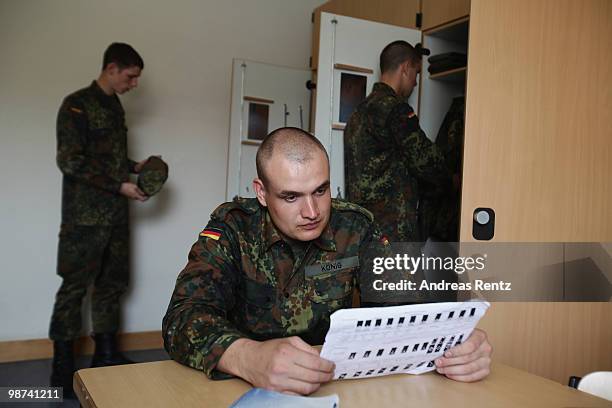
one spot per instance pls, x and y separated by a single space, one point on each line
293 183
396 53
292 143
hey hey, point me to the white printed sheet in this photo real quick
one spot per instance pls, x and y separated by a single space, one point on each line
370 342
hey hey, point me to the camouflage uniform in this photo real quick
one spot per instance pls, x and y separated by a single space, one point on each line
94 235
386 154
439 209
244 280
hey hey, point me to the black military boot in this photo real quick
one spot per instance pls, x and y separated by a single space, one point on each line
62 368
107 353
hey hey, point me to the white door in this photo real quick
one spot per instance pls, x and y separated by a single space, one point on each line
265 97
352 47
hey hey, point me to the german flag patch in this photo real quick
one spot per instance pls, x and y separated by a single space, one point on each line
75 110
213 233
411 115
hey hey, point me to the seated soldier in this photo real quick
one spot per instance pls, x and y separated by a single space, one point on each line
249 304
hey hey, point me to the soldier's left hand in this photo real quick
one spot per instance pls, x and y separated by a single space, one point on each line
131 190
469 361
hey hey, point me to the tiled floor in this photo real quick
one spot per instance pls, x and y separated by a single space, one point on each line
37 372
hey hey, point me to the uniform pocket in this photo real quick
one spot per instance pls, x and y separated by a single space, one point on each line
333 286
257 300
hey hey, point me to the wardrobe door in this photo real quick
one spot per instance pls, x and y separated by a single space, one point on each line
538 143
437 12
538 131
349 55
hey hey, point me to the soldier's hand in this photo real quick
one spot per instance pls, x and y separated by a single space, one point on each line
286 365
469 361
138 166
131 190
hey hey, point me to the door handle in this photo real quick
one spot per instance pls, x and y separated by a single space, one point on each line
483 224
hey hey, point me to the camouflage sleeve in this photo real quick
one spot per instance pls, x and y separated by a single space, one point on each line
375 244
196 328
423 158
72 157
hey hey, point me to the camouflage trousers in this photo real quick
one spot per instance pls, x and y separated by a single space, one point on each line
90 256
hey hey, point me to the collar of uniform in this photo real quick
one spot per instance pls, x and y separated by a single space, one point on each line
95 88
109 100
272 235
381 87
326 239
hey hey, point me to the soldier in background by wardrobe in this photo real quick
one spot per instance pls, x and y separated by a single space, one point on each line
386 153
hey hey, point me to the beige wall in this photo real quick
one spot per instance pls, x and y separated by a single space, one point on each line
50 48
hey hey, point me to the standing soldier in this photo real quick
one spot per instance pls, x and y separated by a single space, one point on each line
94 235
385 151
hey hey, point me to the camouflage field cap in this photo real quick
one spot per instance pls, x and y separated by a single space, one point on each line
153 175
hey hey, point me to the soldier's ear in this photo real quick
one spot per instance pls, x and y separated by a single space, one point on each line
111 68
407 67
260 191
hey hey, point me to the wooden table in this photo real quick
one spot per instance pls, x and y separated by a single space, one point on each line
169 384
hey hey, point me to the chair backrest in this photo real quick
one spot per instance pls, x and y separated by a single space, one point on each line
598 383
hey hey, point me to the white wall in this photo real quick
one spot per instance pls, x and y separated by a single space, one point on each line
49 48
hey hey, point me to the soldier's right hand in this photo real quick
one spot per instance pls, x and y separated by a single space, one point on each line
131 190
286 365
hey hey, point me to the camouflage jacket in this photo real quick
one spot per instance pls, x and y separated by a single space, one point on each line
439 207
92 156
243 279
386 154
